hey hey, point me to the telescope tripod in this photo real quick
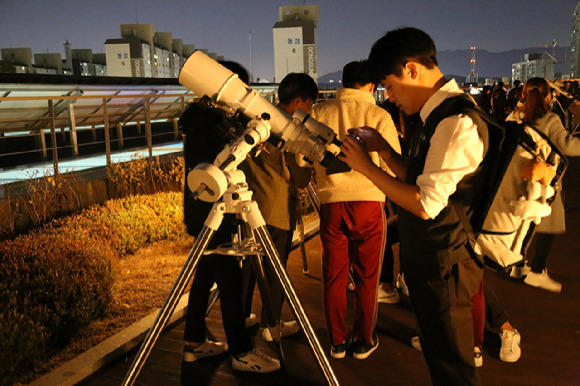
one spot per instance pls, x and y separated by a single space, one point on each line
236 200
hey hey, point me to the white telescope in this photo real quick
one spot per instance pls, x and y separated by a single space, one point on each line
298 134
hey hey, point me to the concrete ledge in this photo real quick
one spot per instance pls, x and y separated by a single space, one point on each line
119 344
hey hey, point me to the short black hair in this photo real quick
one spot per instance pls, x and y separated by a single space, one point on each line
236 68
390 53
297 85
356 74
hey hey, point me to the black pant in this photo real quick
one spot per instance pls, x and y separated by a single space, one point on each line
544 242
282 241
441 298
226 273
387 274
495 315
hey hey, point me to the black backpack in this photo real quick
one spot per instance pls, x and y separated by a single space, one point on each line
507 207
206 131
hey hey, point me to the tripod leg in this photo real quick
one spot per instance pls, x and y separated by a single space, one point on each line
213 297
166 311
313 197
264 238
301 240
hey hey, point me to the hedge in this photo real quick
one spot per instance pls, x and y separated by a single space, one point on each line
56 280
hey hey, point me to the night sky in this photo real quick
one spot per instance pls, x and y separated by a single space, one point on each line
346 29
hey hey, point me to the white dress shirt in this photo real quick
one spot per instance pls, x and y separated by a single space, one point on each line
455 150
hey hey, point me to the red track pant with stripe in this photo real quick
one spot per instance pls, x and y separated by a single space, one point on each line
353 235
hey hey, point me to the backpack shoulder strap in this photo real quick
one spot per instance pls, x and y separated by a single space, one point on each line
460 104
451 106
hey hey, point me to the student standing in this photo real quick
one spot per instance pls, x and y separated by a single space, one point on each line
274 178
203 142
535 110
352 217
439 272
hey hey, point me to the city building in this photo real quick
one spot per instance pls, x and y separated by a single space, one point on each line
129 57
100 64
534 65
295 41
49 63
140 52
177 57
82 62
575 44
19 58
132 54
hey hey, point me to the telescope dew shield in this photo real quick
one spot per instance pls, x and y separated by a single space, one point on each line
204 76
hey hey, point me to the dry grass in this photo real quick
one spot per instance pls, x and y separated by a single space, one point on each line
142 283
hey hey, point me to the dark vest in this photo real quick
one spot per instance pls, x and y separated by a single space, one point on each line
440 240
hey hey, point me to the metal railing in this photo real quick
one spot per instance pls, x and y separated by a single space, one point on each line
50 123
57 125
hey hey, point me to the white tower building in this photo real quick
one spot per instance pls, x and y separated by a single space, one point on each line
295 41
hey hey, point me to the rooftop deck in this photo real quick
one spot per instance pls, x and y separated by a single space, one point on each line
548 322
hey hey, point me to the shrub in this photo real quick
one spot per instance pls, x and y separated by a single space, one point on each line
46 197
143 175
52 195
129 223
57 279
51 285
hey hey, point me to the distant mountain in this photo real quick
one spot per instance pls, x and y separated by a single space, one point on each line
496 64
330 80
457 63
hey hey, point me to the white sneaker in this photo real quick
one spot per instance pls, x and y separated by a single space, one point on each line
543 281
519 272
388 297
510 350
207 349
286 329
416 343
402 285
256 361
477 356
251 320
